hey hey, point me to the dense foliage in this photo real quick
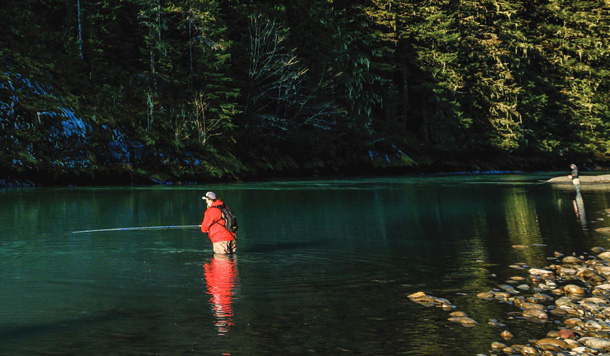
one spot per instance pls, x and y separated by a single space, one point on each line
234 89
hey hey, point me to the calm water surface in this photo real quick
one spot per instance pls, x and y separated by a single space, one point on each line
323 267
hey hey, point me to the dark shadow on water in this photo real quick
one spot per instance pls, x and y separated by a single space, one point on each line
12 332
284 246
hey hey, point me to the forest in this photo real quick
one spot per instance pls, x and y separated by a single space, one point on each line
143 91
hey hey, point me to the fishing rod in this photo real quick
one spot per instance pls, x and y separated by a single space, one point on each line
135 228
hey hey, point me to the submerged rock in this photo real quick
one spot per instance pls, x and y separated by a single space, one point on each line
574 294
506 335
468 322
430 301
497 346
494 323
486 295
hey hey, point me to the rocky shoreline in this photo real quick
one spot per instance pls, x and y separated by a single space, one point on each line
573 293
594 179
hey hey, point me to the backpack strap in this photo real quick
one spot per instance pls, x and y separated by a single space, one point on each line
217 222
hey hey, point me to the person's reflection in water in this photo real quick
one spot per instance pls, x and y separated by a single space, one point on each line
579 209
221 280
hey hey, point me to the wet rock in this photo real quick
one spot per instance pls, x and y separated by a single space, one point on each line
518 300
598 249
572 344
535 315
574 291
596 343
497 346
518 267
603 270
430 301
584 351
527 305
566 333
506 335
494 323
573 322
592 325
529 351
594 333
589 276
594 300
566 272
602 290
604 256
501 296
541 272
560 312
571 260
563 301
541 297
508 289
486 295
458 314
604 313
549 344
455 319
446 307
593 305
423 299
464 320
468 322
509 350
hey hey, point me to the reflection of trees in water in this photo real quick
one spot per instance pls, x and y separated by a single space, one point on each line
522 223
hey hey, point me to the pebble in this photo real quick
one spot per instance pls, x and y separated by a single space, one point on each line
573 294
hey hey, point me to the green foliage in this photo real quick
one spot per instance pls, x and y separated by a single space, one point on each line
237 88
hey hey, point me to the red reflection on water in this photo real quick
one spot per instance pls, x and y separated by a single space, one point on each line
221 278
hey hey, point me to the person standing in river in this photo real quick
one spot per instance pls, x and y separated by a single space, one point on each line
213 224
575 178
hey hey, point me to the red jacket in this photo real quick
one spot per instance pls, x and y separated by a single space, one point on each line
214 225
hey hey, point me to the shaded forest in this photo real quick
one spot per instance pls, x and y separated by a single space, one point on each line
116 91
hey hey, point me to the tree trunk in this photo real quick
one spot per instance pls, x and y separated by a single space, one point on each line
405 94
80 30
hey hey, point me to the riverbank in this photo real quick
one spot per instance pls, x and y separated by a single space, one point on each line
572 293
590 179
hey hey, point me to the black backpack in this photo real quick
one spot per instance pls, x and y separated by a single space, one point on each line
229 217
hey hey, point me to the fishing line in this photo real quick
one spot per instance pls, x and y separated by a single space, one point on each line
168 227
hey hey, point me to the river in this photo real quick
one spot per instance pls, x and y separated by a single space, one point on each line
323 266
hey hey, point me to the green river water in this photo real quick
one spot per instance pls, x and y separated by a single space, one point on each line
324 267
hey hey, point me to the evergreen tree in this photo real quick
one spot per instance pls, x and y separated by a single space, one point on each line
574 53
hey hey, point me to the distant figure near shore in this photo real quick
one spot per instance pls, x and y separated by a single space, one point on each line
574 176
